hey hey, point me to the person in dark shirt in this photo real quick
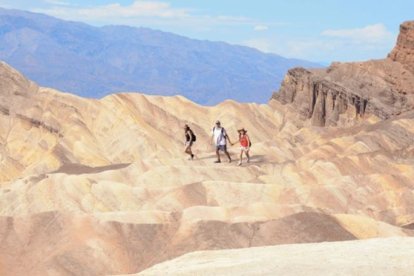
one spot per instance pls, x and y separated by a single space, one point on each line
190 138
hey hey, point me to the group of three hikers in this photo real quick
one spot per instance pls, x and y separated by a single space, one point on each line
219 137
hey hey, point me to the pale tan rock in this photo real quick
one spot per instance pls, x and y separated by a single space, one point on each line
392 256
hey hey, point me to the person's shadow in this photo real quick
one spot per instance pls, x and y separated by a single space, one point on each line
257 159
211 156
254 159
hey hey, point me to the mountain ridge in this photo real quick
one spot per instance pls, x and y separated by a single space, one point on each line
87 60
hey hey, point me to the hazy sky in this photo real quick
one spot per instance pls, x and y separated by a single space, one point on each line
317 30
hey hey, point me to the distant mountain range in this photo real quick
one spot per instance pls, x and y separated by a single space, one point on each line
96 61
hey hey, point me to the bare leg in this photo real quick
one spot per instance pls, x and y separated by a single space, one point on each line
218 155
248 156
228 155
241 157
189 151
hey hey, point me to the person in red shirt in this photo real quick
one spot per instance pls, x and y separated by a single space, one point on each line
245 144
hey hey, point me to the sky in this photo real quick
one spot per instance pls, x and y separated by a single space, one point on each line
315 30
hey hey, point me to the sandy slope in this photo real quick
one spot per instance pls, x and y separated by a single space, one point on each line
92 187
392 256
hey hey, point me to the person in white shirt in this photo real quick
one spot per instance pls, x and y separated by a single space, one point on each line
220 138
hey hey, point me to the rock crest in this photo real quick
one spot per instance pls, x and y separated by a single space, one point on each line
345 91
403 52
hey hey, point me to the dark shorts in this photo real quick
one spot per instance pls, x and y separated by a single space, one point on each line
221 147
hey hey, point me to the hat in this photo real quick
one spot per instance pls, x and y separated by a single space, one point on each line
242 130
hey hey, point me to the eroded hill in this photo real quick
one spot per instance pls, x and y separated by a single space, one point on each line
92 187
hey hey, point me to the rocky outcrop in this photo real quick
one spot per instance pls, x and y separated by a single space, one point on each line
345 91
14 88
403 52
19 99
320 100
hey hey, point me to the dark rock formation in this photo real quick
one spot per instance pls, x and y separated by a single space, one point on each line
317 99
403 52
383 88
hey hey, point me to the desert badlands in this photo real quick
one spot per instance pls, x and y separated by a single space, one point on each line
102 187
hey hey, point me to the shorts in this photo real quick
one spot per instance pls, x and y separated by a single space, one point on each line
245 149
221 147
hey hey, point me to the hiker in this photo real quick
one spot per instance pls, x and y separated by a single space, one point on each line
245 145
190 138
220 138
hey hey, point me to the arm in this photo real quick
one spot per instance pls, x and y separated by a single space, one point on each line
234 142
228 138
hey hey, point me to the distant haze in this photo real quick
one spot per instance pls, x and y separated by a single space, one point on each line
96 61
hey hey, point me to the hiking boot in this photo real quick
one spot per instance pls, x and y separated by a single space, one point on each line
218 161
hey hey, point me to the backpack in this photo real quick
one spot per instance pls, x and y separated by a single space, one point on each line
222 131
193 137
